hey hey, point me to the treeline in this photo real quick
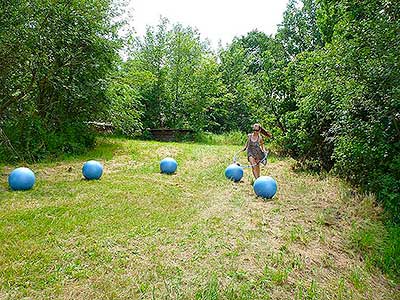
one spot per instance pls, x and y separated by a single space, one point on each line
172 79
326 84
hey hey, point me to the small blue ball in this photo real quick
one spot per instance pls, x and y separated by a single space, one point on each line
21 179
234 172
92 170
168 165
265 187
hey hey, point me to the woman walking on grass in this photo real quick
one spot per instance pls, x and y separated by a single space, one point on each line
255 148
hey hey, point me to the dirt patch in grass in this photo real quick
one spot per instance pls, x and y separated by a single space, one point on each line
168 151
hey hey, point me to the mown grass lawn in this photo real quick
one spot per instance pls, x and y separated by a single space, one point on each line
138 234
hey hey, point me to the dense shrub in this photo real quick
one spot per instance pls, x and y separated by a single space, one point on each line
54 59
347 100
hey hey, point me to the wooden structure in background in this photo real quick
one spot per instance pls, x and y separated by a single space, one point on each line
102 127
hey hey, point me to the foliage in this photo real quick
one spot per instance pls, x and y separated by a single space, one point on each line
125 110
347 101
240 89
299 31
309 136
54 59
184 77
368 135
253 69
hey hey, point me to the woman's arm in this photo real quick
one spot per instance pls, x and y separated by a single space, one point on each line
246 145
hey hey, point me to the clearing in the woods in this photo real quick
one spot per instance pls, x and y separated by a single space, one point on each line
139 234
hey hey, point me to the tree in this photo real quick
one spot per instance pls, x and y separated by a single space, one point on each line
149 55
299 31
184 59
176 67
237 75
54 60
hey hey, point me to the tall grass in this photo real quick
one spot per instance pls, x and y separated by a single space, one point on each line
230 138
379 244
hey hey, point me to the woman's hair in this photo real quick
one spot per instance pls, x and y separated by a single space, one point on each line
262 130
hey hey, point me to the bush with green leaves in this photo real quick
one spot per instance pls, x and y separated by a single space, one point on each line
54 61
367 147
347 98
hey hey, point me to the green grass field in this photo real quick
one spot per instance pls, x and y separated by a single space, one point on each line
139 234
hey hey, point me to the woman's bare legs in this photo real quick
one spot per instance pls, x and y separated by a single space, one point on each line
255 168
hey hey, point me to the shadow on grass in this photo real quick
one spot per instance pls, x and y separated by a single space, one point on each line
304 169
104 149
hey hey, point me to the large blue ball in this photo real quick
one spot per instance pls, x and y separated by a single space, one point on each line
21 179
265 187
92 170
168 165
234 172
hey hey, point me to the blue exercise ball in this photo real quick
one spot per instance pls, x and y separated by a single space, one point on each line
265 187
92 169
234 172
168 165
21 179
